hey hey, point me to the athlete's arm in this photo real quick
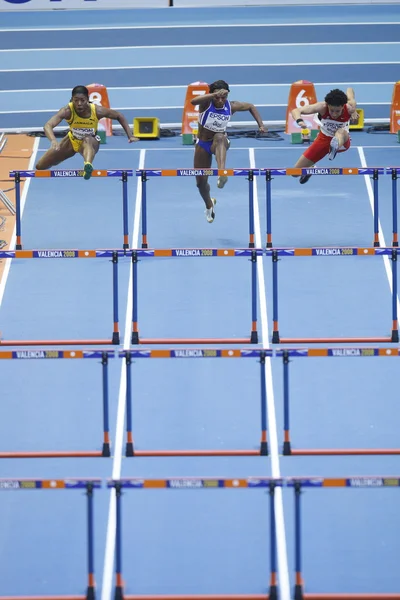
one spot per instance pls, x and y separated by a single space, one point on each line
63 113
352 104
247 106
110 113
206 99
308 109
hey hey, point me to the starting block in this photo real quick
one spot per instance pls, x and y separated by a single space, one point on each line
305 136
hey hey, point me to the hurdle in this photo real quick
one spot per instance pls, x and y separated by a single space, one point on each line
394 171
361 352
69 254
340 482
373 171
191 353
343 252
65 484
65 173
195 253
144 174
190 483
104 356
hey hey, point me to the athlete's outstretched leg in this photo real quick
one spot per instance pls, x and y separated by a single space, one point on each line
340 138
55 156
219 147
203 160
89 148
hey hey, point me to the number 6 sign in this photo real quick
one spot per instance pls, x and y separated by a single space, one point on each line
302 93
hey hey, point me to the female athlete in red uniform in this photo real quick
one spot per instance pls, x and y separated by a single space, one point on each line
334 114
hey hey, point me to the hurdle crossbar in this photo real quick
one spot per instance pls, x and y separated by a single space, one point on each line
145 173
104 356
343 252
130 355
363 352
114 255
66 484
193 483
297 172
195 253
68 173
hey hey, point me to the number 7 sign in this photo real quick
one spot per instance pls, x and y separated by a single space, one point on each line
301 94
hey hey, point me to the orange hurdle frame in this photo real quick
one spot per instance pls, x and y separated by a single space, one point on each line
104 356
195 253
343 252
68 254
68 173
68 484
188 483
328 352
197 353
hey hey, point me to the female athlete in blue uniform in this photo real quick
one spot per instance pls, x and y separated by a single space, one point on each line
215 111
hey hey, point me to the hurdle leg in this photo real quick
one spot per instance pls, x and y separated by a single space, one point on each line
251 209
275 333
395 241
268 180
273 584
106 426
395 328
135 330
90 594
375 179
144 210
125 209
264 440
298 589
119 593
115 335
17 181
254 333
129 438
287 450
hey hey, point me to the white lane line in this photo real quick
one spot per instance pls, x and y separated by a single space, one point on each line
283 569
208 26
108 569
382 241
7 266
203 66
185 46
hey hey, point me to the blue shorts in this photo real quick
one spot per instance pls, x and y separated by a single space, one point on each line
205 145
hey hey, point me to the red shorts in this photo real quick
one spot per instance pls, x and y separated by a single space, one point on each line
320 147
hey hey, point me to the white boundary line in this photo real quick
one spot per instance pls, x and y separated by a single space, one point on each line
108 565
44 110
7 266
185 46
203 26
382 240
283 569
184 87
204 66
